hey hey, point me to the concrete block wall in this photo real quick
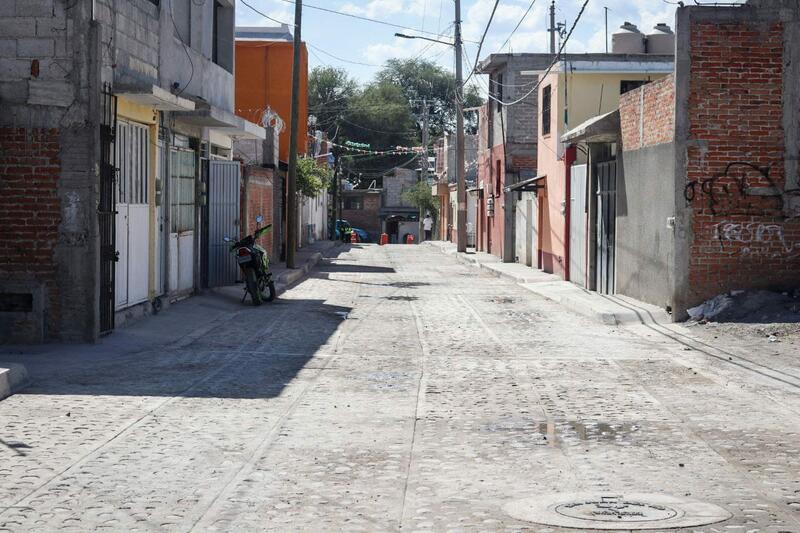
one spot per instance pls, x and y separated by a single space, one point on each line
647 114
739 85
394 187
132 30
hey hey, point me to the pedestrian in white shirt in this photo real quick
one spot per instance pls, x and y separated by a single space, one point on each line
427 225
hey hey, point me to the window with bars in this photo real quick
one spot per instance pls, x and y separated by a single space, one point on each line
181 190
354 202
133 162
546 108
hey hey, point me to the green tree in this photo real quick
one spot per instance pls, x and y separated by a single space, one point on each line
330 91
312 178
422 80
421 197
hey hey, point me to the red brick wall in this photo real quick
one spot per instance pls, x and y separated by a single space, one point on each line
741 240
649 120
257 200
368 218
30 212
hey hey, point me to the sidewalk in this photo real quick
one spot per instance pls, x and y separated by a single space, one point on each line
606 309
306 258
177 326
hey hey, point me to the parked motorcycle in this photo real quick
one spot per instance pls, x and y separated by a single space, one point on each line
254 262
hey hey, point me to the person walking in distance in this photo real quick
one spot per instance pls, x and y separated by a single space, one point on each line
427 225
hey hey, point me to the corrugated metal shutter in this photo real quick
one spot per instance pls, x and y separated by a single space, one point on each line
223 221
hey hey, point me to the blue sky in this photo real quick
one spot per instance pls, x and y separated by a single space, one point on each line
365 42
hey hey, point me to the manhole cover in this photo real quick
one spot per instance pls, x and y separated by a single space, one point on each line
616 512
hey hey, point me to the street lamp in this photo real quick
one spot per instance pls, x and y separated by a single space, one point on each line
461 218
404 36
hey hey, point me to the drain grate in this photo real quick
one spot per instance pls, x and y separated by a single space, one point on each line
615 512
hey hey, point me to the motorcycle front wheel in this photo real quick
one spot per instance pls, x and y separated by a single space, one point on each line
252 285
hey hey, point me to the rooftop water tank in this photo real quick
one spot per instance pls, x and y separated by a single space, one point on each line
661 40
628 40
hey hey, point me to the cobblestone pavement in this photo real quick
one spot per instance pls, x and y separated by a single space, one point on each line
394 389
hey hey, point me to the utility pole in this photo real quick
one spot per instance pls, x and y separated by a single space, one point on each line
424 163
461 219
291 218
606 10
553 29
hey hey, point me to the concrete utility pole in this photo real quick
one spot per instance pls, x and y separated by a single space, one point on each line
291 200
552 29
461 219
424 167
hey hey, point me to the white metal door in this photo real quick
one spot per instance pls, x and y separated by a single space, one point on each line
132 220
577 226
182 219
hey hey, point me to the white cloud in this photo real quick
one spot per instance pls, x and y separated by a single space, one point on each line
374 8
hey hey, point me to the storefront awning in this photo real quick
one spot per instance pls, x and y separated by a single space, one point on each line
223 121
155 96
600 129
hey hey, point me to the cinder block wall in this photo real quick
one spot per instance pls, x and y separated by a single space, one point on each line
645 194
741 103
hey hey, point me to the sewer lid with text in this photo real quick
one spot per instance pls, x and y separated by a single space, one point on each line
616 511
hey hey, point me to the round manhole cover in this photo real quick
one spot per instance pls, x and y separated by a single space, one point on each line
616 511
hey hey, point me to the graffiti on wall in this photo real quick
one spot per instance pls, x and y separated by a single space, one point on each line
754 239
728 191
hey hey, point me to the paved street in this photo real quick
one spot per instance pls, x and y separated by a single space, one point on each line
395 388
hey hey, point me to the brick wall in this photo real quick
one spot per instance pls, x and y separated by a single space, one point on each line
256 199
647 114
30 214
367 218
741 237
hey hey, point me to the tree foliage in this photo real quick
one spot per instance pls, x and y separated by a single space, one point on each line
422 80
312 178
386 112
421 197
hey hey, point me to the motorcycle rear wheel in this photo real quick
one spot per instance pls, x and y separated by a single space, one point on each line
266 289
252 286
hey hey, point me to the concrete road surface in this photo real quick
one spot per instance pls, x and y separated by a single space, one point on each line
396 389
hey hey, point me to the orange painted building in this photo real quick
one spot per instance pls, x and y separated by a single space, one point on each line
264 78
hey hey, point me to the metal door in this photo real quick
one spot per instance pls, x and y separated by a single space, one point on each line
606 225
106 209
182 180
577 225
133 214
223 221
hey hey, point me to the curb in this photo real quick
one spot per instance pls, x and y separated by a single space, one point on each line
13 378
609 310
291 277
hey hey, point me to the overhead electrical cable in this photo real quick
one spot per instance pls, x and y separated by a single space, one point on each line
317 48
517 26
360 17
549 68
265 15
480 44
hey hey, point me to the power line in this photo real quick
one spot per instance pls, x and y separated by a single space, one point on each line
518 25
483 38
265 15
549 68
341 58
360 17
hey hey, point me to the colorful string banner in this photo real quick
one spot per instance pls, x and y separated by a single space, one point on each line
353 147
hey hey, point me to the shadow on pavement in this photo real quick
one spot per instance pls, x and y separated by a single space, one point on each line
208 346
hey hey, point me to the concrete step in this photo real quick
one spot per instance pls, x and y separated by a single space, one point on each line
13 378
